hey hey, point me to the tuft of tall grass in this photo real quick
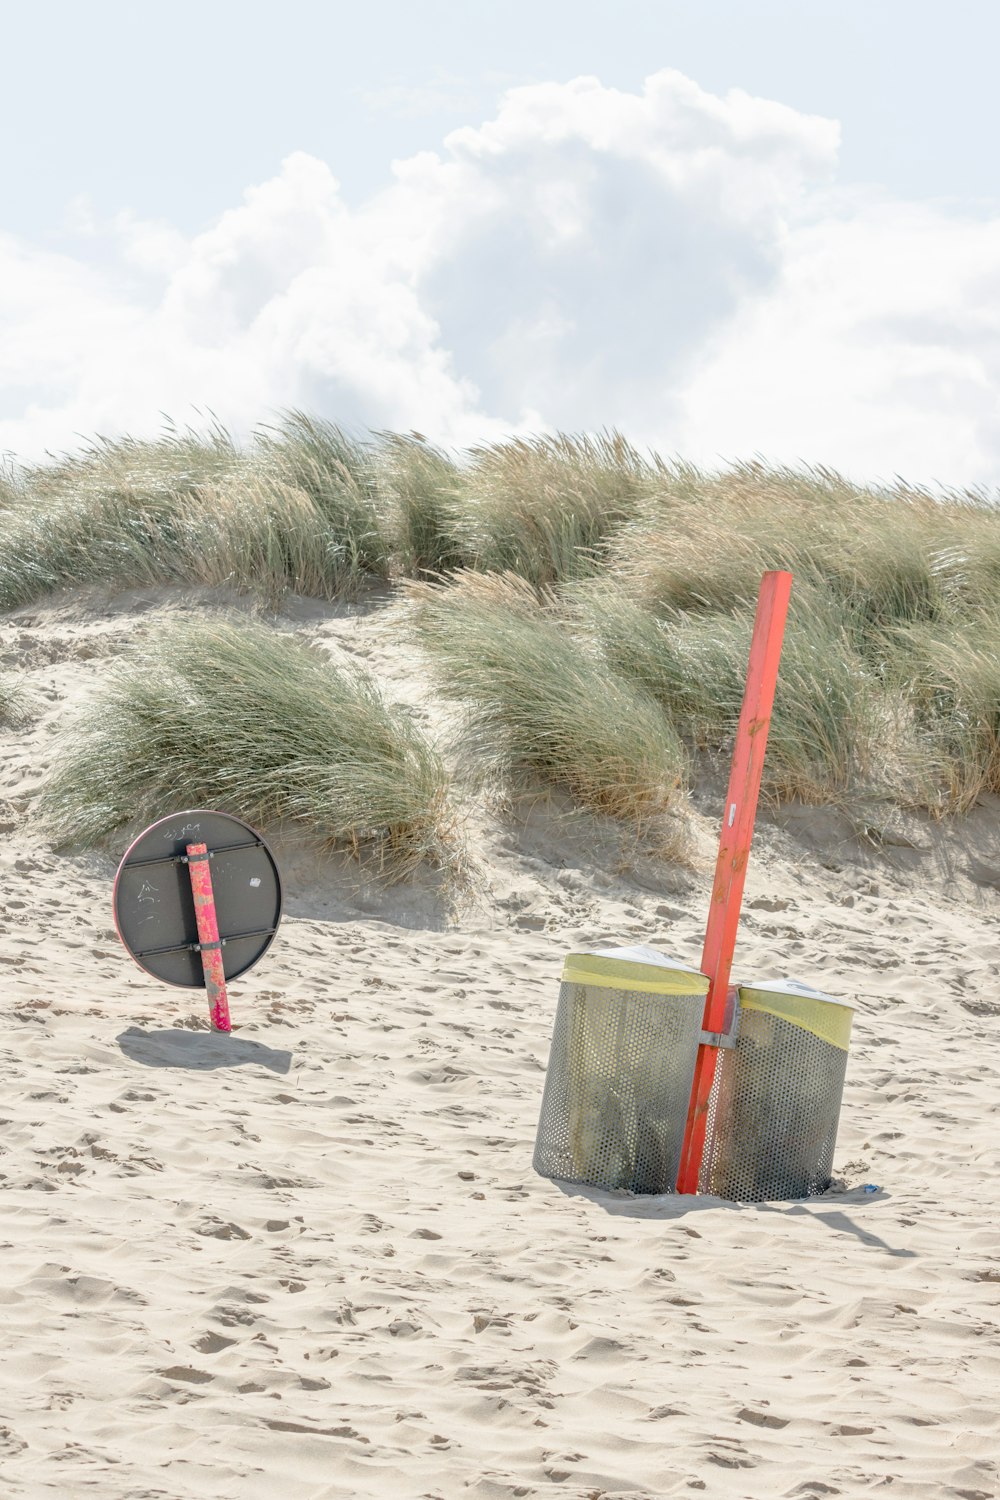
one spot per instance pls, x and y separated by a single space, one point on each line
338 474
951 680
827 739
230 714
258 534
298 513
420 488
825 724
107 514
13 700
691 667
966 556
143 473
704 545
91 538
539 703
541 506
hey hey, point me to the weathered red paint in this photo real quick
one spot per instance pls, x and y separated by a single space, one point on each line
208 936
734 851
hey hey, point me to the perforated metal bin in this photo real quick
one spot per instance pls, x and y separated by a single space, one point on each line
620 1070
775 1103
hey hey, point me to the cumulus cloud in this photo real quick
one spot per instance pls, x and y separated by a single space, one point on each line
878 348
667 261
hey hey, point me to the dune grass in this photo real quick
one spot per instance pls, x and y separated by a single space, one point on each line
296 512
950 678
420 489
232 714
826 722
705 546
93 538
14 702
539 507
338 475
107 514
539 704
258 534
638 582
143 472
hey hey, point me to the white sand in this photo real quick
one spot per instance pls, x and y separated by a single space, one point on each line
313 1259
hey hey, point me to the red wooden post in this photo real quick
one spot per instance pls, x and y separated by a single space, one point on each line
208 936
734 850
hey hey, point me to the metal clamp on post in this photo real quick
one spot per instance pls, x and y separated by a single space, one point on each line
730 1023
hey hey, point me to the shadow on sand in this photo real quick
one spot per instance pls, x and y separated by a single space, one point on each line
200 1050
668 1206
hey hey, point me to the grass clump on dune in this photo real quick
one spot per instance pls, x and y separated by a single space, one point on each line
259 534
420 489
108 515
337 474
14 701
144 472
706 543
950 678
691 672
540 506
93 538
296 512
539 703
823 728
232 714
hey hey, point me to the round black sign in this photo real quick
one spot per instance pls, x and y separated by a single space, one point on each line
154 906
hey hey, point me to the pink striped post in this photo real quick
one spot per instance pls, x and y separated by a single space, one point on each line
208 936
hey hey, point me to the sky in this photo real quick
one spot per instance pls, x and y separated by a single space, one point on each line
728 228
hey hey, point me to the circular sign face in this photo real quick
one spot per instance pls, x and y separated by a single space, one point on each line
154 905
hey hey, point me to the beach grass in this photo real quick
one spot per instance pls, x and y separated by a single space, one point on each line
295 512
705 541
949 677
420 492
538 704
14 700
825 722
540 507
230 713
106 515
337 472
606 576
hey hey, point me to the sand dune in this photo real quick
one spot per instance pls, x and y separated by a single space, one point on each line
313 1259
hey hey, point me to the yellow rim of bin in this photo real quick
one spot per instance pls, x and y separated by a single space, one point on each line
625 974
830 1020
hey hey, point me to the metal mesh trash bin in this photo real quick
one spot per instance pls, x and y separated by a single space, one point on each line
775 1103
620 1070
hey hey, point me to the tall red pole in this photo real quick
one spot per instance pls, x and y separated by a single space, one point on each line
734 850
208 936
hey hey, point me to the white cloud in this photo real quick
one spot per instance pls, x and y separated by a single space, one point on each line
877 349
668 261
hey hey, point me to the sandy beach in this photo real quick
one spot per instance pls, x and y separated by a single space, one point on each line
313 1259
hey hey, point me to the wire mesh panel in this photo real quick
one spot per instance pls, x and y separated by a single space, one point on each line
620 1070
775 1104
